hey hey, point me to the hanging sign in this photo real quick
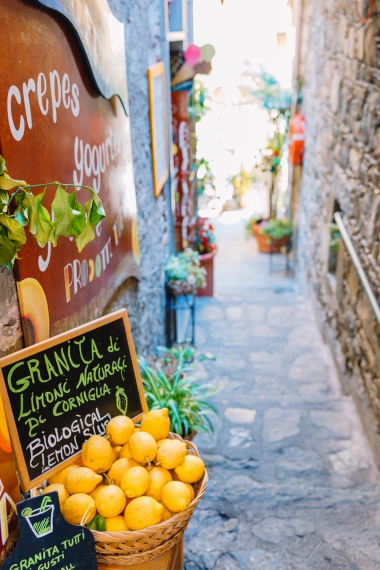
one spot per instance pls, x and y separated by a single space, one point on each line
158 126
102 39
184 210
61 391
55 125
47 540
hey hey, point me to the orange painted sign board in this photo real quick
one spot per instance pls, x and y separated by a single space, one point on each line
55 125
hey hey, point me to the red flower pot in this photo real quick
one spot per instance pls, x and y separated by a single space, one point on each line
268 244
207 261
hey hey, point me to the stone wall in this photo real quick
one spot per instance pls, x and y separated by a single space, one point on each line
10 324
341 172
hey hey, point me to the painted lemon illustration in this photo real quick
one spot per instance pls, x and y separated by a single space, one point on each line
34 310
135 242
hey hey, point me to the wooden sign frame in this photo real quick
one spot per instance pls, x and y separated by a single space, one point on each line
40 347
158 70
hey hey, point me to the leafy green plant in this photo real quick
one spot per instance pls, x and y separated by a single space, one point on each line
242 181
277 228
184 268
169 382
205 177
263 88
334 237
70 217
252 222
197 103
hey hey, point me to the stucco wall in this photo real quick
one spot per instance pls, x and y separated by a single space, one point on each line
341 171
144 302
10 326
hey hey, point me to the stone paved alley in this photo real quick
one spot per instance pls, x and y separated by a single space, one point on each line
293 483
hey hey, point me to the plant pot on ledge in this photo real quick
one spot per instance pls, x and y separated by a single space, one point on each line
269 244
207 261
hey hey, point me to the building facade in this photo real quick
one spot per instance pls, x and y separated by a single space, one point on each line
339 63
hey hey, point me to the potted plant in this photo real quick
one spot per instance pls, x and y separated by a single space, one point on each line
169 381
204 244
184 272
252 226
199 96
242 182
273 234
335 238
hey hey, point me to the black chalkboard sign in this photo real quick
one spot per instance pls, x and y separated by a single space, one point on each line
59 392
47 540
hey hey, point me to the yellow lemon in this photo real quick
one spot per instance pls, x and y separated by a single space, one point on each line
142 447
161 442
124 452
116 524
97 454
120 429
171 453
175 496
156 423
143 512
79 461
79 509
82 480
191 489
110 501
60 477
95 492
191 469
63 494
135 481
158 478
119 468
118 448
174 475
166 515
114 455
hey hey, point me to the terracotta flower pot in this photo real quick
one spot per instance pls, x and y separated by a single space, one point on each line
268 244
207 261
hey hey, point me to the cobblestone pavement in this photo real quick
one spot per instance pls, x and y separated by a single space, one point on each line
292 481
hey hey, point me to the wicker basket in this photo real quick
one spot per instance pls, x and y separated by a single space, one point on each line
138 546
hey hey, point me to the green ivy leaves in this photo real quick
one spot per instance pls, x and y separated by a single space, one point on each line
6 182
70 218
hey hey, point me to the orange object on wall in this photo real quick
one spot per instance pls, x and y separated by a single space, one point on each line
184 211
296 139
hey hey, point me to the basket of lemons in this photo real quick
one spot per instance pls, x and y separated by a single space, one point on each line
136 488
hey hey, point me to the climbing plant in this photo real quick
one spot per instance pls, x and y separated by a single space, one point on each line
198 101
22 208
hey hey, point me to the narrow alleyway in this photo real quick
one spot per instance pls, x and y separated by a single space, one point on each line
293 483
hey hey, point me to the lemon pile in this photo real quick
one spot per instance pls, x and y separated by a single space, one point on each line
133 478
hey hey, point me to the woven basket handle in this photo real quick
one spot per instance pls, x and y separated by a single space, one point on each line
192 447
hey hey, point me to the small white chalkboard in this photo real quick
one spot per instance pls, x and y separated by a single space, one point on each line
158 126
